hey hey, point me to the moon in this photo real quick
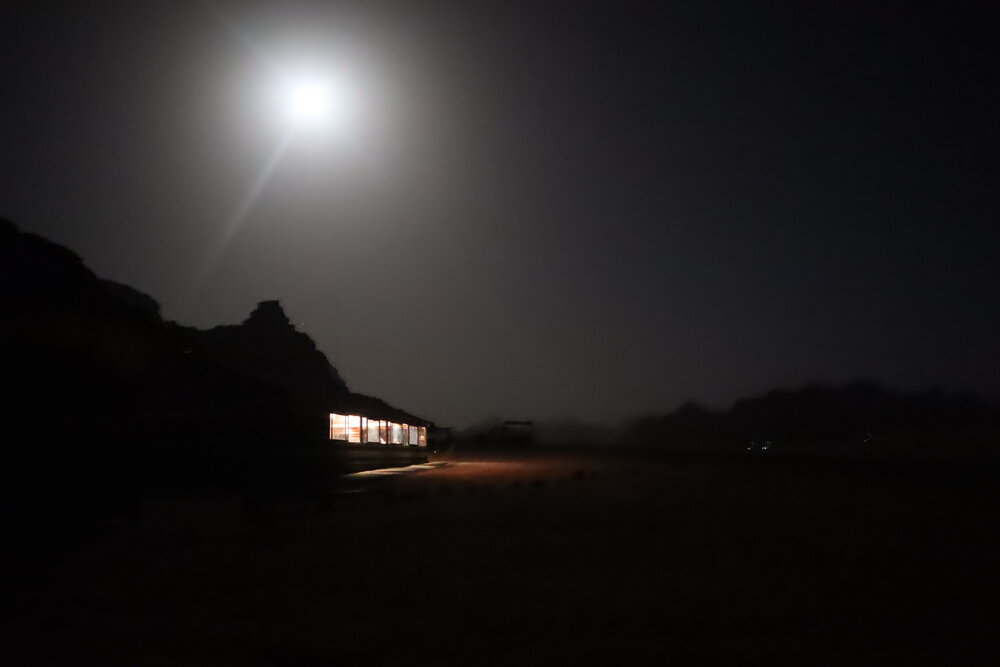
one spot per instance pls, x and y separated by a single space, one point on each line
320 101
310 101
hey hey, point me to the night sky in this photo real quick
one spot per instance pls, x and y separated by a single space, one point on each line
536 212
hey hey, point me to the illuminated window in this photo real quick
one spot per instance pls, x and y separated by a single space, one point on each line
359 429
338 427
353 428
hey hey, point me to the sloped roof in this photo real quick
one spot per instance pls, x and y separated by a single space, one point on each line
376 408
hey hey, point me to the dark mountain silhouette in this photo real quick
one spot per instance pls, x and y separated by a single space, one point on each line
862 413
268 348
105 396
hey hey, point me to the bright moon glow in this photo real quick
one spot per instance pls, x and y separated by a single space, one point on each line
318 102
309 101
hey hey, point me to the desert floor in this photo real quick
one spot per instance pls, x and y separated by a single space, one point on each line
547 558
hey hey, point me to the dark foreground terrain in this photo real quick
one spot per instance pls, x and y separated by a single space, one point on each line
541 559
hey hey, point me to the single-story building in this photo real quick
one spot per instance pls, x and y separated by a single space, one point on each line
368 420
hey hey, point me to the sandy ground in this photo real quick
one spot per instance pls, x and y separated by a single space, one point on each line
555 559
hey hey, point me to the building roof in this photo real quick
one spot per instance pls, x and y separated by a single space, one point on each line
376 408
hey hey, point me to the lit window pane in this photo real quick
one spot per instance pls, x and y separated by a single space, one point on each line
353 428
338 427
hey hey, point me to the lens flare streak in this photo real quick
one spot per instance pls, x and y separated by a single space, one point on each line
238 219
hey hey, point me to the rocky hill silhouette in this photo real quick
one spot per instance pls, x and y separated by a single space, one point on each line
268 348
102 392
855 416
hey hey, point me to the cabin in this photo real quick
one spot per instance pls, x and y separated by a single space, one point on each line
365 430
365 420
